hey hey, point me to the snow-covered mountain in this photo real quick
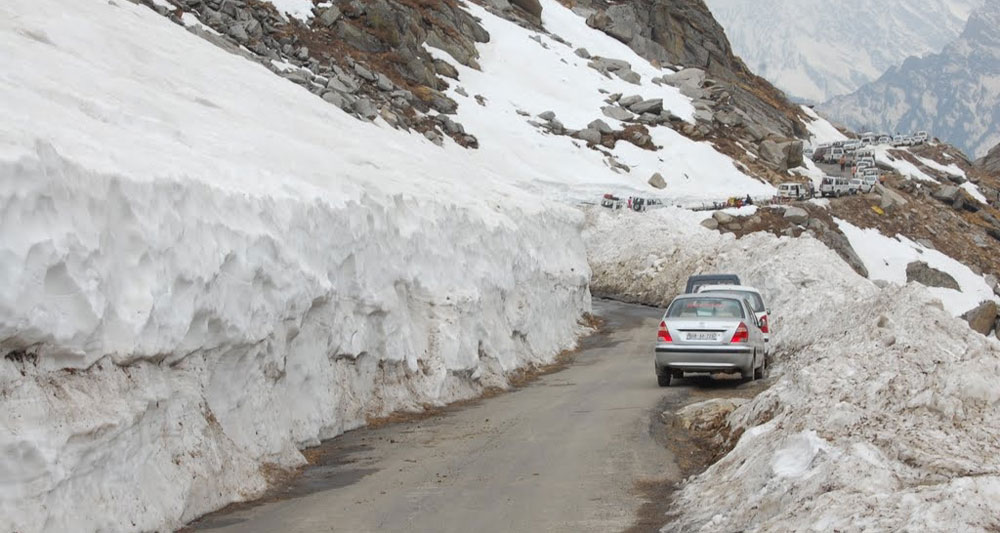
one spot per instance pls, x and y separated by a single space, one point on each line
817 49
954 94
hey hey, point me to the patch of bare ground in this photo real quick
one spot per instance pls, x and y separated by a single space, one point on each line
695 446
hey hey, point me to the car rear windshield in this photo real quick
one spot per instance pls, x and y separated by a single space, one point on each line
705 308
755 300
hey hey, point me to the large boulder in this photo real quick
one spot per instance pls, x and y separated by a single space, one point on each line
617 113
983 318
923 274
657 181
796 215
781 154
722 218
600 126
947 193
532 7
591 136
654 105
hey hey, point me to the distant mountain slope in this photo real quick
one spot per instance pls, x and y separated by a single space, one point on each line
955 94
815 50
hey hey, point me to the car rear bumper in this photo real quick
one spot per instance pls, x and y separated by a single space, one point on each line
705 359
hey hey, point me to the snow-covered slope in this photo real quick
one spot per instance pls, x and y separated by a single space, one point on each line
817 49
881 416
206 267
954 94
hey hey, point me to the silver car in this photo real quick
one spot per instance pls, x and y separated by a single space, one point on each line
715 333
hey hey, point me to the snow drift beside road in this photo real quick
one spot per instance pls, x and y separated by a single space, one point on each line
883 414
205 267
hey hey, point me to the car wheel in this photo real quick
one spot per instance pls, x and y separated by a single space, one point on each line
663 380
761 373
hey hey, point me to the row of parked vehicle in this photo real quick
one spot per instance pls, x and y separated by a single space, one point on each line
718 326
839 150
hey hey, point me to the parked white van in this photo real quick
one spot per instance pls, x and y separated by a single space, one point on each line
834 186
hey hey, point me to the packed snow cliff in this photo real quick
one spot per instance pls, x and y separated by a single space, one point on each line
206 268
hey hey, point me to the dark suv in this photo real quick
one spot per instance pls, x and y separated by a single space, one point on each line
710 279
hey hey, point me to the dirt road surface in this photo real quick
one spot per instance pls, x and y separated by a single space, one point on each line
566 453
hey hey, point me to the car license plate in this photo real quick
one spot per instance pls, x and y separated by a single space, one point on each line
703 336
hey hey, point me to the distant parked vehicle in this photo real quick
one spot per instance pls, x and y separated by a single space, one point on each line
794 191
851 146
834 186
868 138
899 141
856 185
694 282
834 154
885 139
921 137
870 181
756 300
715 333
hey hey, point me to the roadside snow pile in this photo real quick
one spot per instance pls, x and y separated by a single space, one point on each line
883 416
206 268
905 168
886 258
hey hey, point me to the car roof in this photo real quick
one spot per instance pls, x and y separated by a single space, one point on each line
719 288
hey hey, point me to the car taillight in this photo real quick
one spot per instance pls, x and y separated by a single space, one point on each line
763 324
741 335
664 335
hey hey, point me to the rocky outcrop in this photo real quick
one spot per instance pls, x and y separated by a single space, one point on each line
923 274
990 163
684 33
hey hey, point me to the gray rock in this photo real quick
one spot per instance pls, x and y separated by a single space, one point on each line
303 53
532 7
434 137
590 135
781 155
703 115
796 215
993 283
689 77
948 193
654 105
365 108
383 82
600 126
613 98
983 318
445 69
582 52
329 16
609 65
722 218
335 98
710 223
617 113
338 84
729 118
237 31
629 101
547 115
923 274
362 71
629 76
461 91
658 182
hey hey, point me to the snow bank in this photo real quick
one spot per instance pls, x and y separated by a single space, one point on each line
206 267
905 168
883 413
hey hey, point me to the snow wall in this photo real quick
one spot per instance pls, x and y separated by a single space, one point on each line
883 414
166 341
204 268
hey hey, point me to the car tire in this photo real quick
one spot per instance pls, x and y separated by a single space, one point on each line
761 372
663 379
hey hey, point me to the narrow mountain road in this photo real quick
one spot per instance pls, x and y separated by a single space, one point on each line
564 453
